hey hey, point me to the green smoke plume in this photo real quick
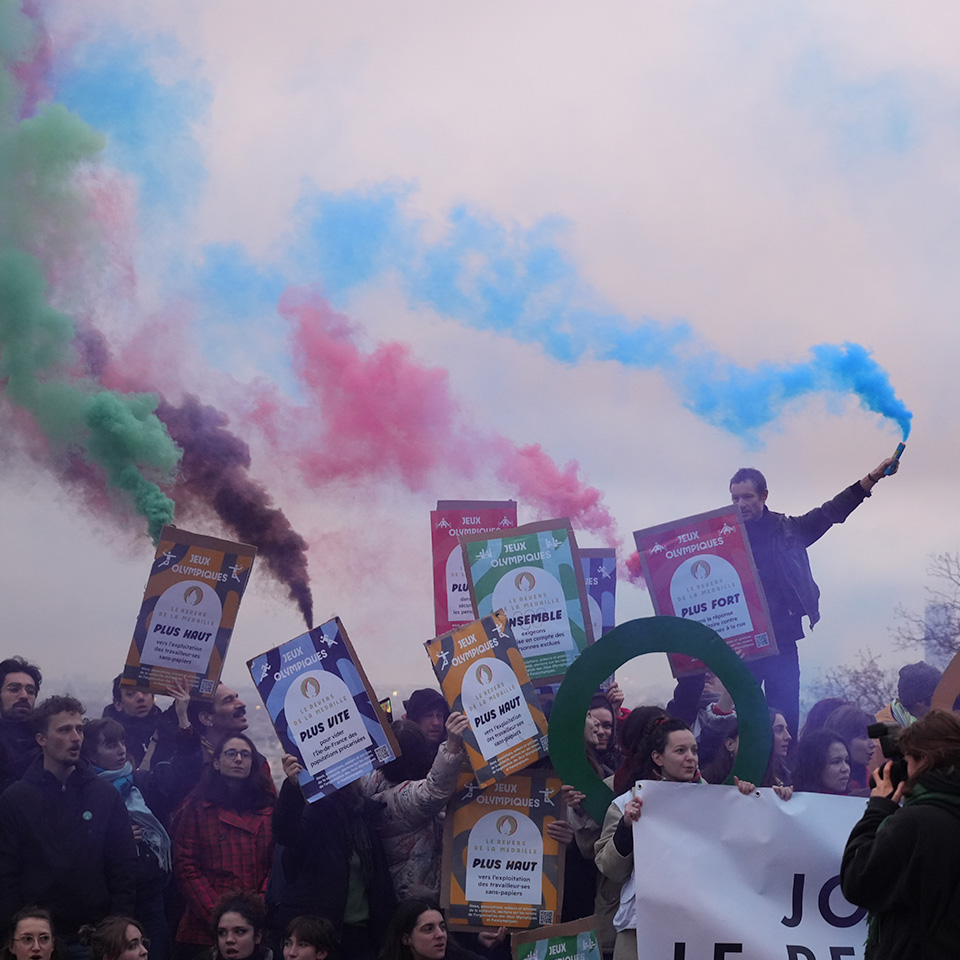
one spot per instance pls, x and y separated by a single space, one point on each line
39 155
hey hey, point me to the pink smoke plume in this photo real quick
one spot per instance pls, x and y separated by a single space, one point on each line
384 414
380 414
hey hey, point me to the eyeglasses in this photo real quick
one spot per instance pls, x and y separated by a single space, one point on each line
15 688
232 754
29 939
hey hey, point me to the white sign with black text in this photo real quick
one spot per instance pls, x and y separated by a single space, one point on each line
723 876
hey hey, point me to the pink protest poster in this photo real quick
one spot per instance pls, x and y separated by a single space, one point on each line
451 520
701 567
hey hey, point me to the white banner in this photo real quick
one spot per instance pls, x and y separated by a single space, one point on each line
722 875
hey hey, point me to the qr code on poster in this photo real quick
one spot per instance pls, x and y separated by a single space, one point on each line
762 640
545 917
383 752
206 686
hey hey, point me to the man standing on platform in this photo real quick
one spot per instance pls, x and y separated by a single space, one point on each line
779 544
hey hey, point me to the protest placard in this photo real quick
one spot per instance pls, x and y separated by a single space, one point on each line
600 579
533 573
702 568
323 708
576 940
500 866
188 612
451 520
743 876
482 674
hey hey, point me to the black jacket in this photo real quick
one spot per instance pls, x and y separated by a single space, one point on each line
903 864
67 845
779 544
19 745
318 840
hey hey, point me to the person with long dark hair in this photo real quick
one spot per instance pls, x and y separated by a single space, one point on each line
823 764
222 840
719 767
418 931
903 863
632 740
818 713
778 774
602 711
668 751
851 723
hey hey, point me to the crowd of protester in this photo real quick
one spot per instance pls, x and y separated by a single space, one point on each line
162 830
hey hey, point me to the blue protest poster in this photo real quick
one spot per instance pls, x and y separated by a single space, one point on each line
600 578
323 708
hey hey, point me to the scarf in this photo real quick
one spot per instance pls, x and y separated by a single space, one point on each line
900 713
154 836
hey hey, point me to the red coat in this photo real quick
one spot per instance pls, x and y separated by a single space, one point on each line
216 849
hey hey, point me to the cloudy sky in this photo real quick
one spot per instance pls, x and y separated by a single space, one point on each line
592 258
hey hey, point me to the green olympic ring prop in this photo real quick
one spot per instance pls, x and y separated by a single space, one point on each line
612 651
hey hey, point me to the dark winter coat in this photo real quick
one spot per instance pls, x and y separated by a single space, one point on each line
779 544
319 840
67 845
19 745
903 864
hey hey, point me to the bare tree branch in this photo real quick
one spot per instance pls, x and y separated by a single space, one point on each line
868 685
938 628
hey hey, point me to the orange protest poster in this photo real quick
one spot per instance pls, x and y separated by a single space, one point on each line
188 612
500 865
483 675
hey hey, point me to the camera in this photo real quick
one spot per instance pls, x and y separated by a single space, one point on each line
889 736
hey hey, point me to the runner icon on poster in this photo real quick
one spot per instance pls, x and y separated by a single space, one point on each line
505 859
323 719
496 707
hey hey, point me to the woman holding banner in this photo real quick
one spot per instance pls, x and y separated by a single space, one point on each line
668 751
903 863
